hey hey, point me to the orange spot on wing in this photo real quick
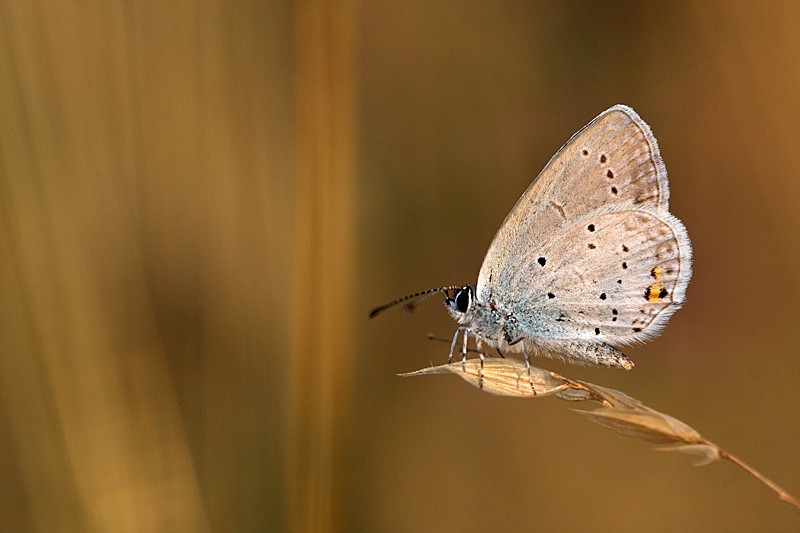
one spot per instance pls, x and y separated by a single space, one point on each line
657 272
655 292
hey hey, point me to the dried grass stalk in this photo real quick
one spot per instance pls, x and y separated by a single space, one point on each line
619 412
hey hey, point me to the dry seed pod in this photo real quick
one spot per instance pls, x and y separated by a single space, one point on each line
503 377
646 424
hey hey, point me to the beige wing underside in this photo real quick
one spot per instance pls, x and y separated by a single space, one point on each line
615 276
613 160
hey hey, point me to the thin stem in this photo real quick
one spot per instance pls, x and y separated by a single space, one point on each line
780 491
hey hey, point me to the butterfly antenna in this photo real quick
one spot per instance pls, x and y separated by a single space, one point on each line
410 306
415 298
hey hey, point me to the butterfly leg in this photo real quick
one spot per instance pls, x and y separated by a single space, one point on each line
465 331
528 366
464 347
480 354
464 354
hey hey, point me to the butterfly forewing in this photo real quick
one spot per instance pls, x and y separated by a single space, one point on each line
613 161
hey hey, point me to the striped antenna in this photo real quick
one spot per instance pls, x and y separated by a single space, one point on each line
415 299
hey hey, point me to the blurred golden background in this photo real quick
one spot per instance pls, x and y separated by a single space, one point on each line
201 200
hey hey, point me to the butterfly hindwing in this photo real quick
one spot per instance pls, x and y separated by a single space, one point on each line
615 275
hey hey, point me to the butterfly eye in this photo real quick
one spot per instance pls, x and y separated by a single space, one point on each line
463 299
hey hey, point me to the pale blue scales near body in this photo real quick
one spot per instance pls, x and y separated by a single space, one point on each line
588 260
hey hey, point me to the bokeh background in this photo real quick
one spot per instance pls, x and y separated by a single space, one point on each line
199 202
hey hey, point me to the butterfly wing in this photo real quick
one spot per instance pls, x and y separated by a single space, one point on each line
614 160
615 275
590 250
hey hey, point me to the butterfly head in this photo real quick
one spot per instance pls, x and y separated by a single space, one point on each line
461 303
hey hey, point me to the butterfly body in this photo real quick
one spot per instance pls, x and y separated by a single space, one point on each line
501 330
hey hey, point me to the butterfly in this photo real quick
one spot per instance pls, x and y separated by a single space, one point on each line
589 259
